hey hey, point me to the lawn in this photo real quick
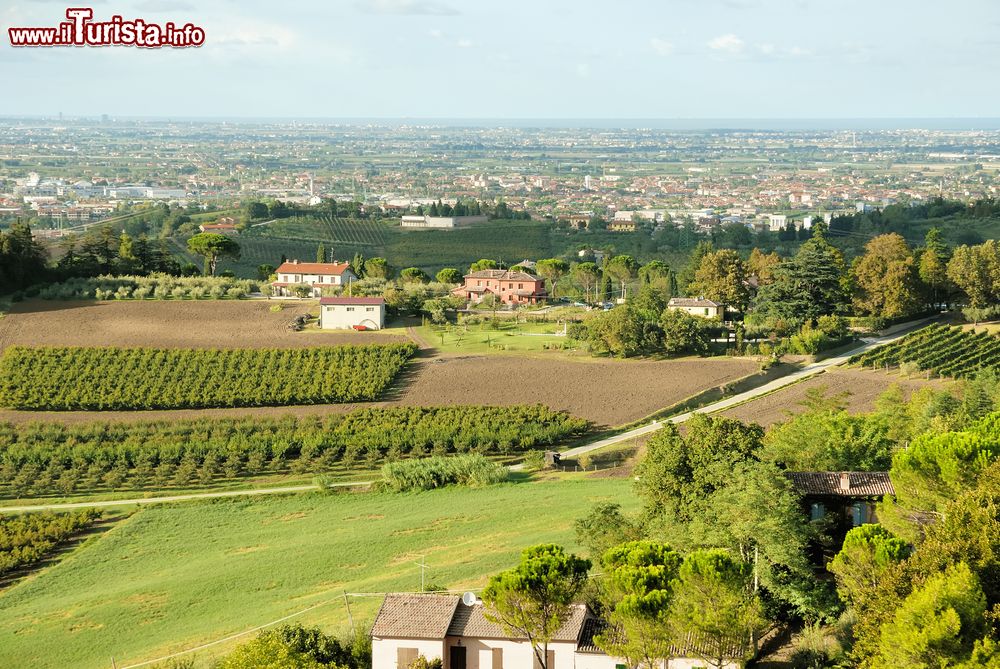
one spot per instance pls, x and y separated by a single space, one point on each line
505 337
173 577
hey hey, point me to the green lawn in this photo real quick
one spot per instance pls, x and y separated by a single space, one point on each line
508 337
173 577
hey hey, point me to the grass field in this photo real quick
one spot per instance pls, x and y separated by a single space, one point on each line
173 577
484 338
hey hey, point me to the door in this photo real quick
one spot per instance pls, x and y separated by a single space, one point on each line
456 657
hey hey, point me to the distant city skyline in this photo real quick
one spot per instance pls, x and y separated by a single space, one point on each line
670 62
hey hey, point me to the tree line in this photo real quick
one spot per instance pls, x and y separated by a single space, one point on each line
27 539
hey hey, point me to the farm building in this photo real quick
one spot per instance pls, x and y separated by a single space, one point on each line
509 287
351 313
224 226
317 275
697 306
444 627
440 222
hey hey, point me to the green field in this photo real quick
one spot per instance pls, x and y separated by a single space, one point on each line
172 577
484 338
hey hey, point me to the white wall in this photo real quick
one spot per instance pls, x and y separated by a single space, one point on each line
384 650
337 316
516 654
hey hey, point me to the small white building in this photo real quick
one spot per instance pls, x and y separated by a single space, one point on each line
318 275
352 313
443 627
440 222
697 306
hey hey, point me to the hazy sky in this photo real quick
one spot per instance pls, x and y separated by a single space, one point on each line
523 59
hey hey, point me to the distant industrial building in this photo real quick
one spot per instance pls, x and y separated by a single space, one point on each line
441 222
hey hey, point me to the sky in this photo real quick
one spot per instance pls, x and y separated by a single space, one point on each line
621 59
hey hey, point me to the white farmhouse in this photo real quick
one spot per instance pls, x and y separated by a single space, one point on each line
443 627
697 306
351 313
315 274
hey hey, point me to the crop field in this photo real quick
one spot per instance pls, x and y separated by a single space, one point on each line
509 241
940 350
76 378
327 229
43 458
173 577
169 324
860 389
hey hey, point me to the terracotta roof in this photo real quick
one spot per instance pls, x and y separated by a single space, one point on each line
405 616
502 274
313 268
352 300
692 302
470 621
692 646
842 484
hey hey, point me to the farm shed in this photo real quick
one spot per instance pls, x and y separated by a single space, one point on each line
347 313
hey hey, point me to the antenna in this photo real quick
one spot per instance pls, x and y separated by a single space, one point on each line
469 599
422 567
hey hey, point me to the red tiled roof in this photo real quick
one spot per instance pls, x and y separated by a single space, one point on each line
313 268
502 275
352 300
842 484
414 616
470 621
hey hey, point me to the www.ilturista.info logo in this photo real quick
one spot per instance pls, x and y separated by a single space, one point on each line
80 30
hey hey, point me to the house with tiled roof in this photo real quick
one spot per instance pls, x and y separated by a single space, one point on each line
444 627
509 287
697 306
351 313
841 500
316 275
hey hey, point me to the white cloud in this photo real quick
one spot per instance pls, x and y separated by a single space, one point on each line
435 33
164 6
729 43
254 36
661 46
407 7
583 70
464 44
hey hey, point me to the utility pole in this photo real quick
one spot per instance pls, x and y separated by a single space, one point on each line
347 603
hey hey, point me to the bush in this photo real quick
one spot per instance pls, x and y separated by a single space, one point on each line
160 286
472 470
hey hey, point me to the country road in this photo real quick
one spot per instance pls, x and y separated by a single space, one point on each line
176 498
803 373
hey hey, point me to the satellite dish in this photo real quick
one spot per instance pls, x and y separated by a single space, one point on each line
469 599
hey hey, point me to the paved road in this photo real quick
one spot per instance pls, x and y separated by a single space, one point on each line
176 498
729 402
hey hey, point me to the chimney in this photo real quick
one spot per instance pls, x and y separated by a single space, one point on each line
845 481
295 262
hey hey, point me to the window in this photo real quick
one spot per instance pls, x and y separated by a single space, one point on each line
858 514
706 311
520 285
497 658
350 308
816 511
405 657
369 308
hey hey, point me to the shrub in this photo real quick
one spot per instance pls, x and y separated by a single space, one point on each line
471 470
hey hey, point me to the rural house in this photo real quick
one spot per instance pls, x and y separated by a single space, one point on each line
845 500
697 306
318 275
352 313
509 287
444 627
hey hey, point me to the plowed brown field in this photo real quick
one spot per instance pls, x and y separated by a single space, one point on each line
606 392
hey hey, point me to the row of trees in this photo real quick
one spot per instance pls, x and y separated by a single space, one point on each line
151 287
44 457
78 378
27 539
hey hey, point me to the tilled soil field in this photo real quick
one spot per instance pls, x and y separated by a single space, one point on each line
864 387
167 324
606 392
